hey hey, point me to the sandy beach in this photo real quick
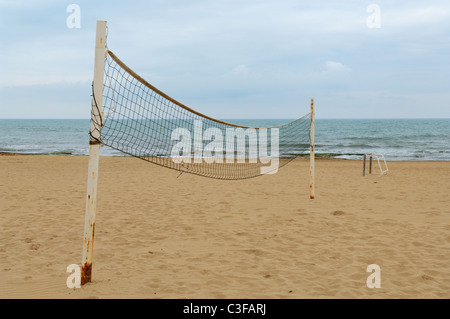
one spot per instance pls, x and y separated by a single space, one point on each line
161 235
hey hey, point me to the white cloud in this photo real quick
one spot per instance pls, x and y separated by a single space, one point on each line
240 70
337 68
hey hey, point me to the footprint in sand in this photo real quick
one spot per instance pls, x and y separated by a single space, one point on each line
426 277
338 213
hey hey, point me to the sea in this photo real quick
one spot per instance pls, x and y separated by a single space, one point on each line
395 139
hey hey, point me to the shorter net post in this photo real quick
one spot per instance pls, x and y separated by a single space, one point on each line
311 156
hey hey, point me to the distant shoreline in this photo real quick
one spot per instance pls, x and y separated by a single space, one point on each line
331 156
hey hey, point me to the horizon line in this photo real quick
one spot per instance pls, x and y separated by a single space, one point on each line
316 117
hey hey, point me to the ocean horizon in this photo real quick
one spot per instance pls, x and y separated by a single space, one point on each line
395 139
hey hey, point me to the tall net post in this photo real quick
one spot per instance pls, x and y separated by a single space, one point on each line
94 151
312 191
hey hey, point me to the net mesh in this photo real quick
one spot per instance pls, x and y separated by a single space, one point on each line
140 120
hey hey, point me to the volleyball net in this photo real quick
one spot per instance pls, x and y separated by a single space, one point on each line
138 119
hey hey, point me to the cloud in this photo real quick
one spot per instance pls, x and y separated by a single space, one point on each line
336 68
240 70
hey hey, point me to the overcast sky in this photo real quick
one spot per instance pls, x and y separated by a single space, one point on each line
234 59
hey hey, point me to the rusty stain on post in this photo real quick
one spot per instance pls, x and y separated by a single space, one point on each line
86 267
86 273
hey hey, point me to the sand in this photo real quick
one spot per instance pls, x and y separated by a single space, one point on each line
158 235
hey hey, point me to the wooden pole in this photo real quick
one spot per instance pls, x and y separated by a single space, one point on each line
312 190
94 151
364 165
370 164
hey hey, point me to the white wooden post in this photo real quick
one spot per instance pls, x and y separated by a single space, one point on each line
94 150
311 156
